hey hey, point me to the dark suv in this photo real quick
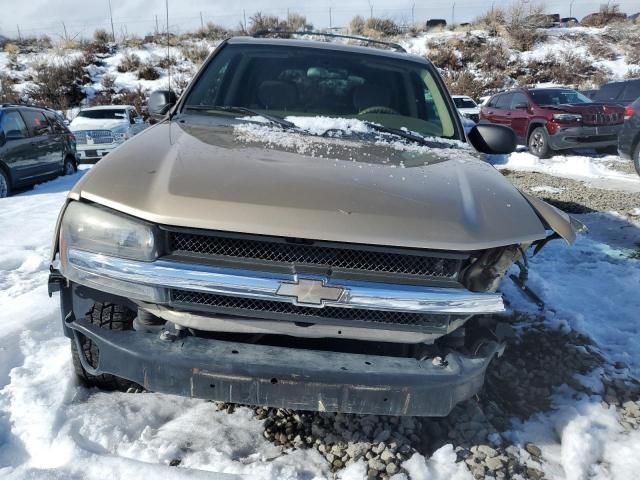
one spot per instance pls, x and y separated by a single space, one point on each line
622 93
35 145
551 119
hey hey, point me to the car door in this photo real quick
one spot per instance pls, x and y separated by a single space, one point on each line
16 151
488 111
502 114
519 114
59 137
47 154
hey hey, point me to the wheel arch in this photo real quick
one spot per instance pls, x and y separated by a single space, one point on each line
533 125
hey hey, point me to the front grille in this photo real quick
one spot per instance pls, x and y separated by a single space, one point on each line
600 118
98 137
269 309
348 257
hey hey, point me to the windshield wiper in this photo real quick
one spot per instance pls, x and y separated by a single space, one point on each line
231 109
405 134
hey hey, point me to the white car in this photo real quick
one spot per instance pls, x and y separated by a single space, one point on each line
467 107
99 130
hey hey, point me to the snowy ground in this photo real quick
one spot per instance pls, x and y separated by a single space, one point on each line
52 428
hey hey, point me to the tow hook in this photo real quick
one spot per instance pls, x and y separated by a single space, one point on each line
521 282
56 280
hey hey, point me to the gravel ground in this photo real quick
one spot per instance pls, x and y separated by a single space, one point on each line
518 385
573 196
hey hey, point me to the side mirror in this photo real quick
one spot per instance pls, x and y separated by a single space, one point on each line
160 102
495 139
138 120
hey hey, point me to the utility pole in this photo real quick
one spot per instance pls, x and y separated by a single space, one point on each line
64 27
571 8
201 22
330 20
413 15
244 16
453 14
370 9
19 35
113 32
157 29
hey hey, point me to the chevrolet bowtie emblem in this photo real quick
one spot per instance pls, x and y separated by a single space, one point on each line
309 292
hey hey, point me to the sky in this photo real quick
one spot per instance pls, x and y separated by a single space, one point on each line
81 17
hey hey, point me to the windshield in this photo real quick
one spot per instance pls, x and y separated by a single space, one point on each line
104 114
293 81
558 97
464 103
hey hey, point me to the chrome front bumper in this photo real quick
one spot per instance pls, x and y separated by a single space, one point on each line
152 281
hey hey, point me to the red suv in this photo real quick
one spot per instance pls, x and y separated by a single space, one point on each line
551 119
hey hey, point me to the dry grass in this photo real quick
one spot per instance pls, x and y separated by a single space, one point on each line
130 63
212 31
147 71
598 49
463 83
444 56
356 25
195 53
565 69
7 92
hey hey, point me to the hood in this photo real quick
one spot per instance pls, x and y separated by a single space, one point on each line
82 123
470 110
256 179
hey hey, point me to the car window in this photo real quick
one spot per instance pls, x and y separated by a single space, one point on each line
493 101
36 122
464 102
294 81
104 114
56 123
610 91
11 123
556 96
632 91
518 99
504 102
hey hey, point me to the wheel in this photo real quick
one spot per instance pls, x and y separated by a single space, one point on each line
69 167
5 184
539 143
112 317
635 156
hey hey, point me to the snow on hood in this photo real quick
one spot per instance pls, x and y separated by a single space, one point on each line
83 123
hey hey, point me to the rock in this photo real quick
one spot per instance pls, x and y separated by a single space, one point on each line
392 468
337 463
493 463
386 456
383 436
377 465
533 450
488 451
372 474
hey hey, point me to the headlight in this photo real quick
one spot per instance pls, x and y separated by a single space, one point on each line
97 230
120 136
567 117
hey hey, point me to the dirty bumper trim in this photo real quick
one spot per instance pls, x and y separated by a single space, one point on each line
151 281
309 380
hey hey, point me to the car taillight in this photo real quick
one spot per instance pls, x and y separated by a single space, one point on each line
628 112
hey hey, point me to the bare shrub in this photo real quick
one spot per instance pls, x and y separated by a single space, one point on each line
57 85
377 27
493 21
101 36
195 53
298 22
356 25
12 51
609 13
7 91
130 63
632 56
566 69
522 19
166 61
600 50
147 71
137 98
258 21
212 32
524 38
444 56
633 72
463 83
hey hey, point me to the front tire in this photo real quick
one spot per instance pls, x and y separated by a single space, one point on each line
5 184
111 317
539 143
635 156
69 167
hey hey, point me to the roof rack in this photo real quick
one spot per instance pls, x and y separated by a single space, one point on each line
27 105
275 31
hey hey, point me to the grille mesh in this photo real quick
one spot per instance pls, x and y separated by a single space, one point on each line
99 137
347 258
241 306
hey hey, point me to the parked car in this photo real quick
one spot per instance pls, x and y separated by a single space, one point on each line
436 23
623 92
548 120
629 138
325 261
35 146
569 22
99 130
467 107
